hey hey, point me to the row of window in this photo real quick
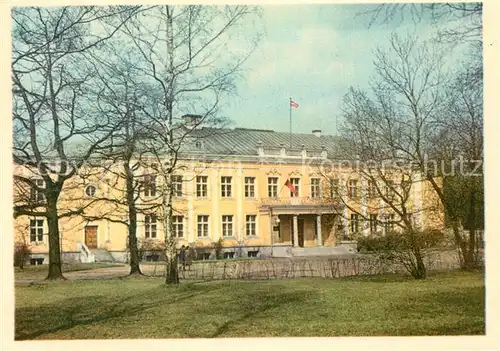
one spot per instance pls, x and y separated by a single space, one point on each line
226 186
202 227
388 223
149 187
371 190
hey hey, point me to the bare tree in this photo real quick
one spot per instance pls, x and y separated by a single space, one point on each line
423 126
55 125
464 20
184 68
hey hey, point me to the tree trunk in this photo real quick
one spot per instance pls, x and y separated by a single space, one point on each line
172 271
132 225
469 257
55 267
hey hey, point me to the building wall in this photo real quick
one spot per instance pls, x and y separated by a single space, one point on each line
113 236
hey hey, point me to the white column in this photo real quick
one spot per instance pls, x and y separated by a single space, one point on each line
319 238
295 231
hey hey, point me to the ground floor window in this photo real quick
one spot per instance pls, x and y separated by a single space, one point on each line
178 226
251 225
36 230
202 226
150 224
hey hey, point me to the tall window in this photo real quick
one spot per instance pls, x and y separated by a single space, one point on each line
295 182
178 226
353 188
315 188
37 195
202 226
177 185
251 225
227 225
201 186
272 187
36 230
389 186
150 226
373 223
372 189
226 186
250 187
354 223
149 185
334 188
389 222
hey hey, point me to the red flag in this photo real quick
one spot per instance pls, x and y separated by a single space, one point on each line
291 187
294 104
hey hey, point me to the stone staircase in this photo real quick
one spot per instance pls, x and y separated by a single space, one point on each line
102 255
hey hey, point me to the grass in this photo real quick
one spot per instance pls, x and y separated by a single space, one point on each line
444 304
40 271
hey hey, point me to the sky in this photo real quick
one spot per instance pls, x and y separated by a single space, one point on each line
312 54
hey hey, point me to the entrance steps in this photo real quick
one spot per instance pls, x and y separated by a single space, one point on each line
101 255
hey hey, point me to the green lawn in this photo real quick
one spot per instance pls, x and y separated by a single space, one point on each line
444 304
40 271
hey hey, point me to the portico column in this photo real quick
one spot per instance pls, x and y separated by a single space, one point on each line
295 231
319 239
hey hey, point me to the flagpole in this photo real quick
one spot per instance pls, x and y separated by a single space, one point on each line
290 123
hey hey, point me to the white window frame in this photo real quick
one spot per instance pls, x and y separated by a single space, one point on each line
205 232
202 186
353 188
39 230
334 187
37 196
149 185
296 183
226 186
227 226
389 222
177 188
315 188
354 222
371 189
150 226
249 190
250 224
178 226
88 187
272 188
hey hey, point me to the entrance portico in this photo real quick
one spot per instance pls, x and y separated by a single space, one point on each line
303 225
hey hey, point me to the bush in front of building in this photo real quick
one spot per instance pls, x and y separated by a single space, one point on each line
21 253
406 248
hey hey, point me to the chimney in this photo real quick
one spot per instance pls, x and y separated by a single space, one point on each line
191 120
317 132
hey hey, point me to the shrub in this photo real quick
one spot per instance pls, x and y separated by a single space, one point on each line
151 247
406 248
21 252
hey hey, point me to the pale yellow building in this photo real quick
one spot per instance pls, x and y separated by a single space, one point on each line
231 186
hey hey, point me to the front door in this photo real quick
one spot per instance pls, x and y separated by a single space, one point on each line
300 231
91 236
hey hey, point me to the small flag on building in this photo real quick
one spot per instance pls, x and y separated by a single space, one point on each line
291 187
294 104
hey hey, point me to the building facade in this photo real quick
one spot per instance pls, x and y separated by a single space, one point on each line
255 193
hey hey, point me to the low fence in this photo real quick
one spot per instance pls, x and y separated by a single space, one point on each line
300 267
